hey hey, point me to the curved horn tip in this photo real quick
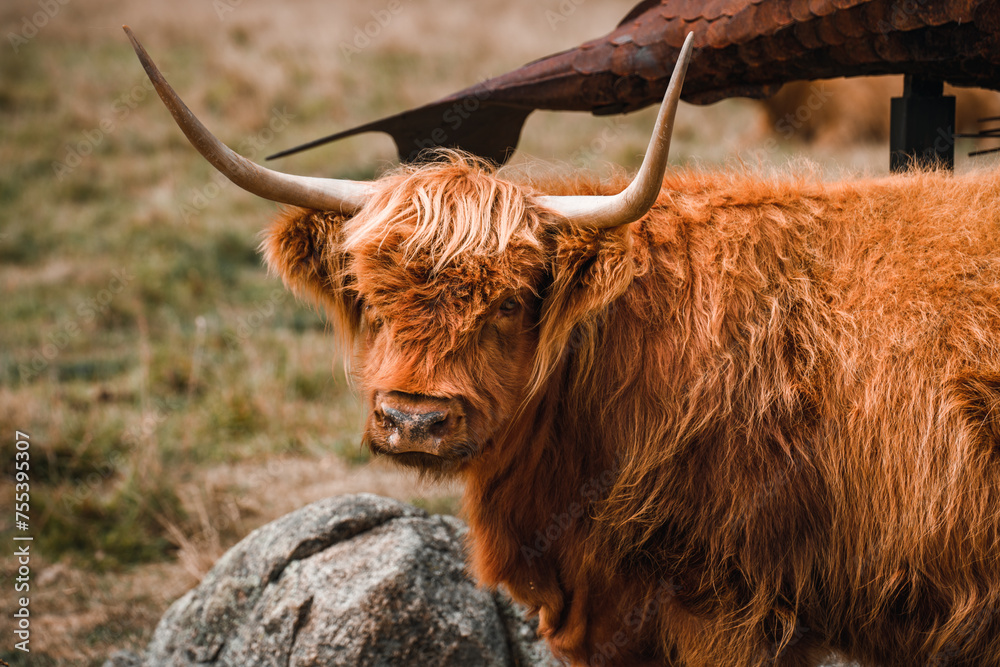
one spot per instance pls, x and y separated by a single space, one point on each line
131 36
326 194
634 201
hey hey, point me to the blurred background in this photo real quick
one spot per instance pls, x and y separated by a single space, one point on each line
175 395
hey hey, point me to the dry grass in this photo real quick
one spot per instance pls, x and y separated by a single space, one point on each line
175 396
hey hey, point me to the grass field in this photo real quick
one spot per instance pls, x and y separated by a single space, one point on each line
174 395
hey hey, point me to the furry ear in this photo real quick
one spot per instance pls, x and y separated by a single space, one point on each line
590 269
303 247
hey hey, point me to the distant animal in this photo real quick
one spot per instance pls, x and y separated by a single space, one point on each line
743 48
709 419
844 112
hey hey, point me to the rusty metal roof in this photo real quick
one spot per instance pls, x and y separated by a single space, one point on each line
743 48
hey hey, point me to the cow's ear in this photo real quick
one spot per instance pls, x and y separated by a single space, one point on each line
302 247
590 270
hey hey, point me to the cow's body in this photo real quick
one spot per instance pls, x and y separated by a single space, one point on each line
751 425
765 422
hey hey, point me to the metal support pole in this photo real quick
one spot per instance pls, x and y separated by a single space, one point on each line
922 126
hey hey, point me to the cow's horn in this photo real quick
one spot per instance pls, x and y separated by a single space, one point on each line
631 203
325 194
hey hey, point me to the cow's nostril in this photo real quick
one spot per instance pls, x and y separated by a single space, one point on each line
391 417
438 424
432 418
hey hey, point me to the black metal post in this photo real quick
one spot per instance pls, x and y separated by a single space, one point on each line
922 126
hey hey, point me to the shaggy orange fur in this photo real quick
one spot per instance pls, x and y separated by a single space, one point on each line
758 426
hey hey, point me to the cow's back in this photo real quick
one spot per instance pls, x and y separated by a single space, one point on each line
825 361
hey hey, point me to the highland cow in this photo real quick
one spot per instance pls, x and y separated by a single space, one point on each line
716 419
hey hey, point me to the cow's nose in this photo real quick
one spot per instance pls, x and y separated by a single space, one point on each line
405 420
416 423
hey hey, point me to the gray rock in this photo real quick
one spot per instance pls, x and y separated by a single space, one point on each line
355 580
123 659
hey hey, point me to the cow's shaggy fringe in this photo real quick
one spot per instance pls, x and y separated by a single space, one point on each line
763 423
445 210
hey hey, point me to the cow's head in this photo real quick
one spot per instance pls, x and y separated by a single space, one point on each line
444 280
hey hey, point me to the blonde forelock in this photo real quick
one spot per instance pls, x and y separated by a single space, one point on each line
444 210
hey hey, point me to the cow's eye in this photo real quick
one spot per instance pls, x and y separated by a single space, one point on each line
372 316
509 306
